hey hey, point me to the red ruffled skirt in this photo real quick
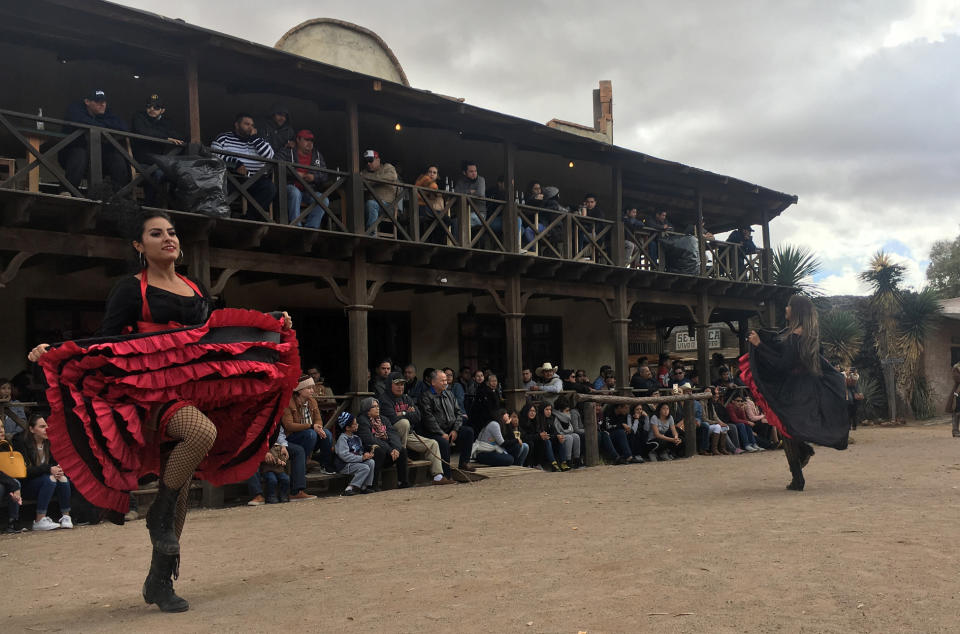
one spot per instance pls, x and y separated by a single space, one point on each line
239 369
746 375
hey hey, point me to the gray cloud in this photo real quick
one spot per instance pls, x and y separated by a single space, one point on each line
798 96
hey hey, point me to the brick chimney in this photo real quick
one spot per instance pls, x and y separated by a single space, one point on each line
602 129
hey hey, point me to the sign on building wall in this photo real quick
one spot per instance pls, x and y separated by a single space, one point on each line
686 342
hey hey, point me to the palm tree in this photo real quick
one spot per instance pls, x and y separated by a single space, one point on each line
795 267
841 335
918 314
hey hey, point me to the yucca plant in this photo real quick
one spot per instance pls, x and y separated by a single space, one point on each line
884 276
795 267
922 399
917 316
874 403
841 335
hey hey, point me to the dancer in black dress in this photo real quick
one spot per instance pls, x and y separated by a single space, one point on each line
802 395
167 388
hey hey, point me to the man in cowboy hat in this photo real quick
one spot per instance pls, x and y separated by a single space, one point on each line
551 382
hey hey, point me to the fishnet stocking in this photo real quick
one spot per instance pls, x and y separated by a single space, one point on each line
181 511
196 434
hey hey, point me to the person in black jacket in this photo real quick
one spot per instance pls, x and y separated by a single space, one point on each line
743 237
151 122
485 403
643 379
379 436
277 130
441 419
75 158
44 475
404 415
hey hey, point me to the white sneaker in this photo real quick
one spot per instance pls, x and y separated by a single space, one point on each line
66 522
652 458
663 456
751 448
758 447
45 524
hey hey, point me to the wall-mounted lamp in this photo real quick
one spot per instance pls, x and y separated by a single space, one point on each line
398 127
570 164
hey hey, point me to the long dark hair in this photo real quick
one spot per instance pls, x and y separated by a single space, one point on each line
803 315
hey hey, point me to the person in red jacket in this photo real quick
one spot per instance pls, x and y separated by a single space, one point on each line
738 417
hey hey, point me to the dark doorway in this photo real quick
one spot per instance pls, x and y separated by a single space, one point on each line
483 342
324 340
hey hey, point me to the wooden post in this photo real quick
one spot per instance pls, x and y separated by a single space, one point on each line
193 97
357 311
617 249
511 231
689 430
356 218
591 453
513 321
703 356
96 158
620 323
701 243
197 256
767 262
742 326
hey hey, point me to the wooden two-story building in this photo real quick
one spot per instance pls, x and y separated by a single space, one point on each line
421 286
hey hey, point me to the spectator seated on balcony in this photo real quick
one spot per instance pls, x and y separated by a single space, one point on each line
441 419
352 460
588 209
380 382
151 122
378 434
743 237
537 437
75 158
535 196
413 386
44 475
632 225
643 379
738 416
303 153
491 446
304 427
277 130
376 170
612 438
660 224
402 412
663 438
243 140
431 206
472 184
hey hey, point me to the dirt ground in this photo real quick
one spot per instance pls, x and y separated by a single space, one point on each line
700 545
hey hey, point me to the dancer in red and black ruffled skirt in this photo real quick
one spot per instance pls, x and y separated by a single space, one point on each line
169 388
802 395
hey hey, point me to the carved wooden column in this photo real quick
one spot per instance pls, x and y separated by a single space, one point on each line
193 97
356 218
511 305
618 310
511 232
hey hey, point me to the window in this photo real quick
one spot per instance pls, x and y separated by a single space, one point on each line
483 342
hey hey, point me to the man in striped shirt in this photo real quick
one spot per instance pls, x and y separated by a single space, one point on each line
244 142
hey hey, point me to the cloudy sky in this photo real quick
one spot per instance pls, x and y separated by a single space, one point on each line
852 105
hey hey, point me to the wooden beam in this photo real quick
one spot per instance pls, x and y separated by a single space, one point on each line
193 96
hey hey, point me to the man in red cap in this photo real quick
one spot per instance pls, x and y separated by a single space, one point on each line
303 153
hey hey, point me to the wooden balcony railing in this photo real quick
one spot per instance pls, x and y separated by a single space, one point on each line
461 220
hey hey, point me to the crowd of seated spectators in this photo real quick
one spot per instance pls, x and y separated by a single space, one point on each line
447 420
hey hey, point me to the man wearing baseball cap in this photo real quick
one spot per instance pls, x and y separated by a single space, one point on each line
384 194
151 122
304 153
92 110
